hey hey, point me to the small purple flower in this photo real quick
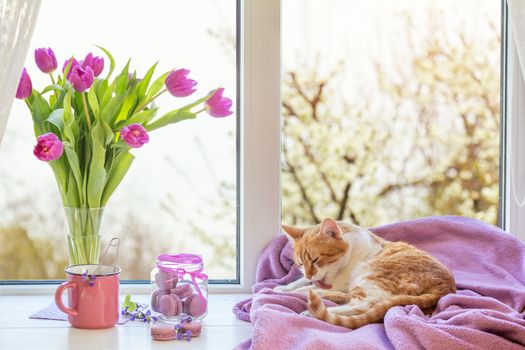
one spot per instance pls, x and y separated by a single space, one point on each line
73 65
94 62
81 78
218 106
45 60
188 335
178 85
25 87
91 280
48 147
187 319
179 336
134 135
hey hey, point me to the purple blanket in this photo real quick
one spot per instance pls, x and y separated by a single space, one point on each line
487 312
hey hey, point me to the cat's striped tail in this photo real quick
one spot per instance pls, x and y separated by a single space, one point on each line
375 314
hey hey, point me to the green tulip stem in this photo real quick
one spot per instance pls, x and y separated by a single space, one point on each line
149 101
84 103
53 82
201 110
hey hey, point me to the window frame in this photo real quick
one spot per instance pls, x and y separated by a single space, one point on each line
259 143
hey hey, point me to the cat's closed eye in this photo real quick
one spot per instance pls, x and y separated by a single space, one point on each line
314 261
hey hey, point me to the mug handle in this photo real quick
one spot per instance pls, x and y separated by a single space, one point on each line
58 298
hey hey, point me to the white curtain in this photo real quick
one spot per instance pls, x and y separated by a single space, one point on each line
517 16
17 21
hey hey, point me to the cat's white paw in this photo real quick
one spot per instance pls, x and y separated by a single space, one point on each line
306 313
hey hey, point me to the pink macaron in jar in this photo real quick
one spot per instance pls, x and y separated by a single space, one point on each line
179 287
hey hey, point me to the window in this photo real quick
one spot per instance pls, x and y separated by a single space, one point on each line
181 193
391 110
341 47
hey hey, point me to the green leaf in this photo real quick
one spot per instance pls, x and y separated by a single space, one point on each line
171 118
54 87
109 112
93 102
129 103
119 168
139 118
56 118
101 86
60 101
72 192
111 61
40 112
66 70
59 169
155 87
69 130
142 86
74 165
97 172
131 305
121 81
200 100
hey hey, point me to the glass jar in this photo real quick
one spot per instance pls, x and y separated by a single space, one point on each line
179 287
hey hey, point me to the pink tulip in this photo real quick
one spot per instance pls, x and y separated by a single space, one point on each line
25 87
178 85
81 78
48 147
218 106
45 60
75 63
96 63
134 135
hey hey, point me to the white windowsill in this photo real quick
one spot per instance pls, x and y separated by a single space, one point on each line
221 329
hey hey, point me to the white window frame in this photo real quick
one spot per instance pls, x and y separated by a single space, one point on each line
260 142
259 109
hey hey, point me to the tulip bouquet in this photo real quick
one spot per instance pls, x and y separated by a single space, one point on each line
85 126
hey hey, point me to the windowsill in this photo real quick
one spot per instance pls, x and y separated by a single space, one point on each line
221 329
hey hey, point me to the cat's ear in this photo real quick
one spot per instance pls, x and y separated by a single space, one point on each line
292 232
329 227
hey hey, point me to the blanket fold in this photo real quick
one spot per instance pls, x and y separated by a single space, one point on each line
487 312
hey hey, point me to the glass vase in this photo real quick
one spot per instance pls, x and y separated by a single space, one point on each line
83 234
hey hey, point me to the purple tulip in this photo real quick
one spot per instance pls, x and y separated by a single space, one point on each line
48 147
178 85
45 60
75 63
218 106
25 87
81 78
96 63
134 135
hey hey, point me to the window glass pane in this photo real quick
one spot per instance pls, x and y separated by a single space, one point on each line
180 193
391 109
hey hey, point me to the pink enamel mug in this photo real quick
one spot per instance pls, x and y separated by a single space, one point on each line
92 296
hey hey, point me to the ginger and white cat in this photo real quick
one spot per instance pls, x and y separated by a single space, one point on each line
363 273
